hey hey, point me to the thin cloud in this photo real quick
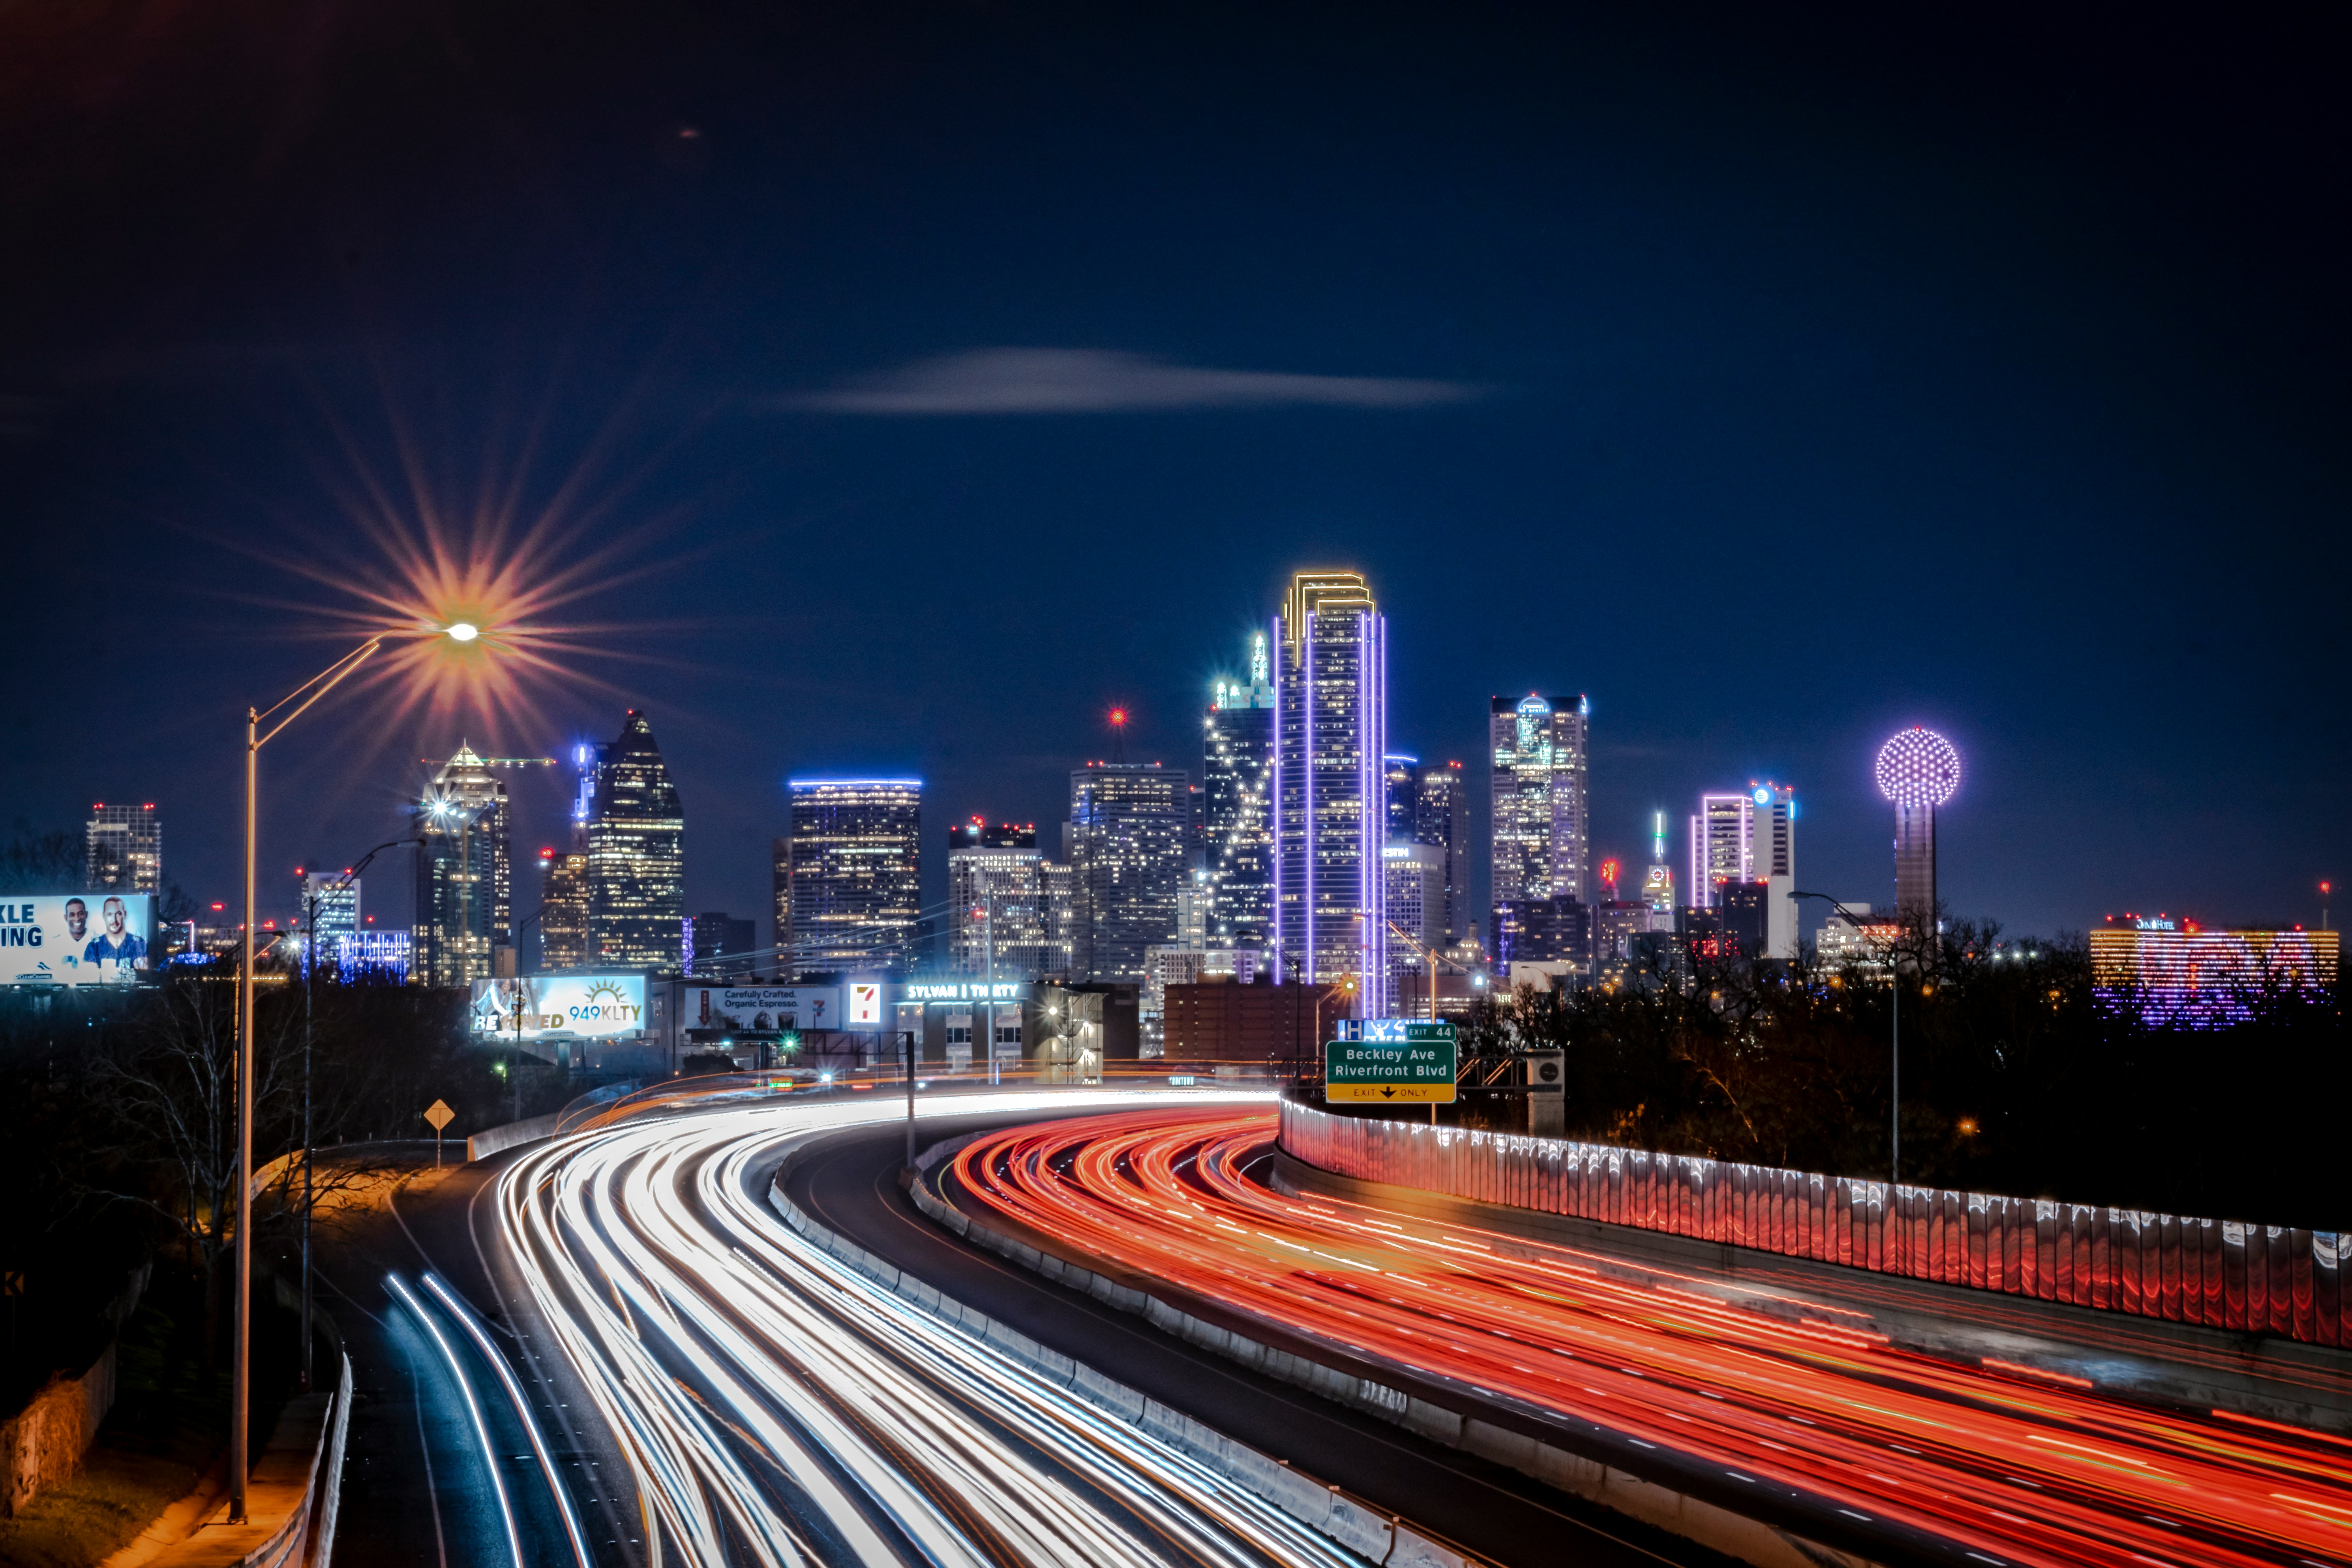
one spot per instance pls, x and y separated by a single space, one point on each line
1094 380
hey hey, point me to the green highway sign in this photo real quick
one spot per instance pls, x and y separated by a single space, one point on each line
1416 1068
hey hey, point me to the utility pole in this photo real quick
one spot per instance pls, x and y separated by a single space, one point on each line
913 1039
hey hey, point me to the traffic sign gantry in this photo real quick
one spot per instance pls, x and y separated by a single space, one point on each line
1394 1061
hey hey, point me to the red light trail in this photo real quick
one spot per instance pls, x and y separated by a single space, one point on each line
2015 1468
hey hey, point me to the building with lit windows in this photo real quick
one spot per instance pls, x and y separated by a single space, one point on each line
853 869
1539 783
1331 813
1543 931
330 912
122 848
1743 839
636 855
2177 974
1719 845
1440 822
1126 839
1401 795
1059 883
1237 808
454 861
564 910
996 904
1415 874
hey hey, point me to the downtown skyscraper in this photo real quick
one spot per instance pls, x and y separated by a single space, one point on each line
997 915
1330 914
636 855
464 895
849 877
1237 809
1126 843
1538 779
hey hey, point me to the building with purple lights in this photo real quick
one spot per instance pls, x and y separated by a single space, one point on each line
1918 770
2177 974
1331 900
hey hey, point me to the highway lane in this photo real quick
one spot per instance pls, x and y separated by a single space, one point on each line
774 1407
418 1481
848 1182
1999 1469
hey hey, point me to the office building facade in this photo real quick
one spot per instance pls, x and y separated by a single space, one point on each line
853 869
1330 818
1126 840
330 914
1415 874
636 855
564 910
1748 839
1538 786
122 850
455 934
1237 804
996 904
1440 822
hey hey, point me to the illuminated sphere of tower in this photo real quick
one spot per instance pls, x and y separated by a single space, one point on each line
1919 767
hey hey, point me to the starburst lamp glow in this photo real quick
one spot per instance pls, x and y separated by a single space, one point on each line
1918 770
464 631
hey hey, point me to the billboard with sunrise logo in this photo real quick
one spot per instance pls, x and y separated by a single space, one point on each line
560 1006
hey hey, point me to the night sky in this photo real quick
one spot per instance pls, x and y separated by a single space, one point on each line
899 387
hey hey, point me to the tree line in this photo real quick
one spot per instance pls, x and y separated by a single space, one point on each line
2018 1075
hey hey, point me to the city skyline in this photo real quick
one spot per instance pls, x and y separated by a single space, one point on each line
1818 400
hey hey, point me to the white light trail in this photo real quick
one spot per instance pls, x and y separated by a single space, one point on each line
777 1407
473 1410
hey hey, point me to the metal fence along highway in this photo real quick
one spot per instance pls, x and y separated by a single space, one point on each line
2221 1274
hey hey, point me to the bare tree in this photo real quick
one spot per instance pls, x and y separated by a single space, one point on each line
167 1089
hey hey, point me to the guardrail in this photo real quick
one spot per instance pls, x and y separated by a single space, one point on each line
292 1496
2221 1274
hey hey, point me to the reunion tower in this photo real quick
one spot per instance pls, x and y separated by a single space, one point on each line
1918 770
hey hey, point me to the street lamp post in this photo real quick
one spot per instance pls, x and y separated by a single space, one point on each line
1895 1088
241 1350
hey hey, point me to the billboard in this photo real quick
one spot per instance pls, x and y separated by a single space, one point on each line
566 1006
76 938
758 1009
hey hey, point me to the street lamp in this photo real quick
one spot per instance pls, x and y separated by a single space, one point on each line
1894 1092
241 1356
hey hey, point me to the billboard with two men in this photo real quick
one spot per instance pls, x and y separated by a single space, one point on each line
75 939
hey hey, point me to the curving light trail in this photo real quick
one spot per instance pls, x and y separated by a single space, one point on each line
1805 1399
777 1407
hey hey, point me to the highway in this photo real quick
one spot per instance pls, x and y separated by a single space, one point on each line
1939 1460
773 1406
